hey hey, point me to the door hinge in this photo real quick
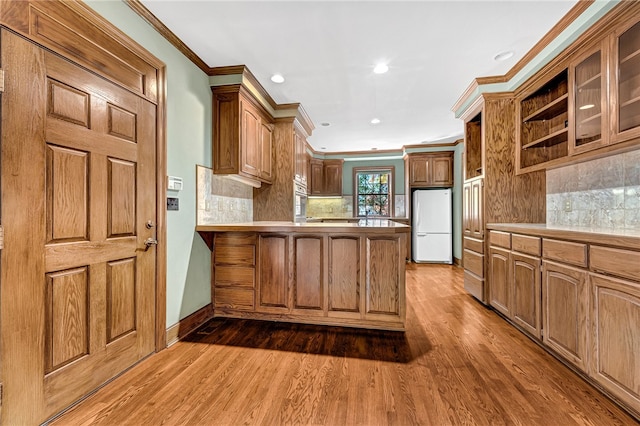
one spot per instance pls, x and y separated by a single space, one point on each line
1 80
1 247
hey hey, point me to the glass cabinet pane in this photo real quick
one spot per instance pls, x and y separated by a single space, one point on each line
588 100
629 78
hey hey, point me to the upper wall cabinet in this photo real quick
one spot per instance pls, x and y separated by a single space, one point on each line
242 135
589 100
431 170
325 177
626 89
473 147
588 105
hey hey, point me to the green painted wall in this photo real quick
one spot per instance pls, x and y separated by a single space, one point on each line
188 144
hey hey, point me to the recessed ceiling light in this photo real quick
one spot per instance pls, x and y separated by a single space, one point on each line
503 56
588 106
277 78
323 147
381 68
374 149
325 124
375 121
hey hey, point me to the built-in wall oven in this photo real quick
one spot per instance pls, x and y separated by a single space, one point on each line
299 202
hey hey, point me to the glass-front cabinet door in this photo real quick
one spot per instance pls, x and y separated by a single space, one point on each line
626 117
588 102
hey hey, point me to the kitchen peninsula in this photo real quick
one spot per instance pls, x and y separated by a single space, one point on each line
343 274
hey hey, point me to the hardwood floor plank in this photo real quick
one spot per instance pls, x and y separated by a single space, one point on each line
458 363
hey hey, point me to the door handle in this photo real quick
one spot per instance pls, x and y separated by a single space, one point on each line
150 242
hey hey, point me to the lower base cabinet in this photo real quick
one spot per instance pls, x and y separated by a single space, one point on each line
525 272
355 279
565 305
500 282
615 333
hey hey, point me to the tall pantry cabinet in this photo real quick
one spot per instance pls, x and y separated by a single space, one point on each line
492 192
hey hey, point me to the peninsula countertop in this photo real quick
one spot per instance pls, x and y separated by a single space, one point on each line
361 226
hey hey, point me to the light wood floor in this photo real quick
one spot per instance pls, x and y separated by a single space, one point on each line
457 364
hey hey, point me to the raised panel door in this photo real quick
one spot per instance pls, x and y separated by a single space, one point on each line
419 170
526 293
273 275
565 301
442 171
266 152
344 276
477 209
332 178
317 177
384 285
308 286
250 146
467 208
78 187
500 280
615 335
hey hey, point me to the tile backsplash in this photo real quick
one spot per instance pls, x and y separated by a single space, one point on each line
601 193
221 199
343 206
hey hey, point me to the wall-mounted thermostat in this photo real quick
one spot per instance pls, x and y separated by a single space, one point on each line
174 183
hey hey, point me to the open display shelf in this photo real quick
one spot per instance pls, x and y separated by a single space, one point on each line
544 124
473 147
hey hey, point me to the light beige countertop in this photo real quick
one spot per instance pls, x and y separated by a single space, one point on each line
362 226
606 236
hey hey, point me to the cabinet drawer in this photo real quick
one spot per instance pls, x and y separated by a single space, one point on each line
236 276
474 245
235 255
235 238
525 244
500 239
566 252
234 298
624 263
474 285
474 262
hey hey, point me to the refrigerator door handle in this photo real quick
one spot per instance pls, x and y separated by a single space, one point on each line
421 234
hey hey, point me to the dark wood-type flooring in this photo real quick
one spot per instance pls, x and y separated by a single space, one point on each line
458 363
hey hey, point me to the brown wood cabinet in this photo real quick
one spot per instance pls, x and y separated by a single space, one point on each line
565 304
242 135
317 276
526 290
615 335
473 208
326 177
431 170
500 283
586 103
300 157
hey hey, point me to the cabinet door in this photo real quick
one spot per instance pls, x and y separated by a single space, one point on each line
477 208
499 280
419 168
587 105
332 178
442 171
384 280
344 277
467 209
250 141
564 311
525 273
308 275
273 282
266 152
317 177
615 322
626 82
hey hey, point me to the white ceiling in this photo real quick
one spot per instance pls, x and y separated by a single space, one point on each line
326 51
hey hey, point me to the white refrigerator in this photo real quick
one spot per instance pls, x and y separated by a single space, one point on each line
431 226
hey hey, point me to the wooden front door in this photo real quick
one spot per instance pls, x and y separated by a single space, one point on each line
78 189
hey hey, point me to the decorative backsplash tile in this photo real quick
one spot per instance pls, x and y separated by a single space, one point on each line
343 206
603 193
221 199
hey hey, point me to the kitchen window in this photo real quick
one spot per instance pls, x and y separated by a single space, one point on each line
373 192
